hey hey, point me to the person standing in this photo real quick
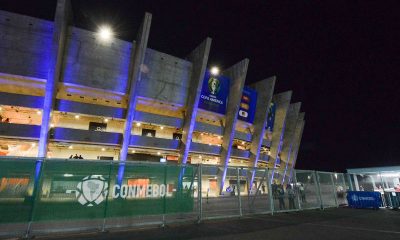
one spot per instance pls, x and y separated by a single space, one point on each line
302 193
291 196
275 190
281 197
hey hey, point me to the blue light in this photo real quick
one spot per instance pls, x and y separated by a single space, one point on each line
121 171
277 157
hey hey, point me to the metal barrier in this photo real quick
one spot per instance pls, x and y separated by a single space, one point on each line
382 182
41 196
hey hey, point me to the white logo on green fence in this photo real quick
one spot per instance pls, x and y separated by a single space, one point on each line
92 190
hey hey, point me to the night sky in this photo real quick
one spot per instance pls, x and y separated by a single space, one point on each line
341 59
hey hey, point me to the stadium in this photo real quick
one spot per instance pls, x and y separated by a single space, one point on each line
68 92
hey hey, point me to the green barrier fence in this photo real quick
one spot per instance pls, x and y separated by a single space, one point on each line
76 195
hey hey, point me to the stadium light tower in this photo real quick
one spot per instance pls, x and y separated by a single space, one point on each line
105 33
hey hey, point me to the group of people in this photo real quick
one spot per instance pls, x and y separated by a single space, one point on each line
280 192
75 157
4 120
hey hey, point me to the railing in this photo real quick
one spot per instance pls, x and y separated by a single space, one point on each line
42 196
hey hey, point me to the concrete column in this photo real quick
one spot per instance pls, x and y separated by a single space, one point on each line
288 138
61 21
199 58
265 90
237 75
296 148
135 75
282 102
293 145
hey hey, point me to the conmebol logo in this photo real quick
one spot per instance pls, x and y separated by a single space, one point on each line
92 190
354 197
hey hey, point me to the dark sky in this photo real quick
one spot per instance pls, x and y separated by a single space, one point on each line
341 59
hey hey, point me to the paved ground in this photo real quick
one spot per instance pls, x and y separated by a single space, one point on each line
342 223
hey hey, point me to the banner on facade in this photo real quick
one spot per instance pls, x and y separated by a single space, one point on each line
214 93
271 117
248 104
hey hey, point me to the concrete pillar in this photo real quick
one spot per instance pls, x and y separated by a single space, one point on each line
61 21
135 74
296 148
293 147
282 102
237 75
198 58
265 90
288 137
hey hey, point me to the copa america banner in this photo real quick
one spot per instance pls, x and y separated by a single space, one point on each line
248 104
214 93
271 117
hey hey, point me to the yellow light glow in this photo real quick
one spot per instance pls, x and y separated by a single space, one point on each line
105 33
214 71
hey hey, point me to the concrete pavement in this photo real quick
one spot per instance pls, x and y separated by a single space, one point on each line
341 223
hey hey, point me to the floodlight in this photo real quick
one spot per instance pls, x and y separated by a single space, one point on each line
214 71
105 33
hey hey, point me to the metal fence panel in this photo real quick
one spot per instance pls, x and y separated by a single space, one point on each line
148 194
71 195
16 191
341 189
327 189
308 189
223 202
256 199
286 196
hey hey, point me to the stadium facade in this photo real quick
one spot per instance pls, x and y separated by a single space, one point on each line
65 92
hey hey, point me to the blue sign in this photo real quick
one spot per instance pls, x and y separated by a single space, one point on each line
248 104
271 117
214 93
364 199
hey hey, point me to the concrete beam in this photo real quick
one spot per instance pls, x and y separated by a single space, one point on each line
135 73
296 148
237 75
265 90
296 141
61 21
199 58
282 102
288 138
